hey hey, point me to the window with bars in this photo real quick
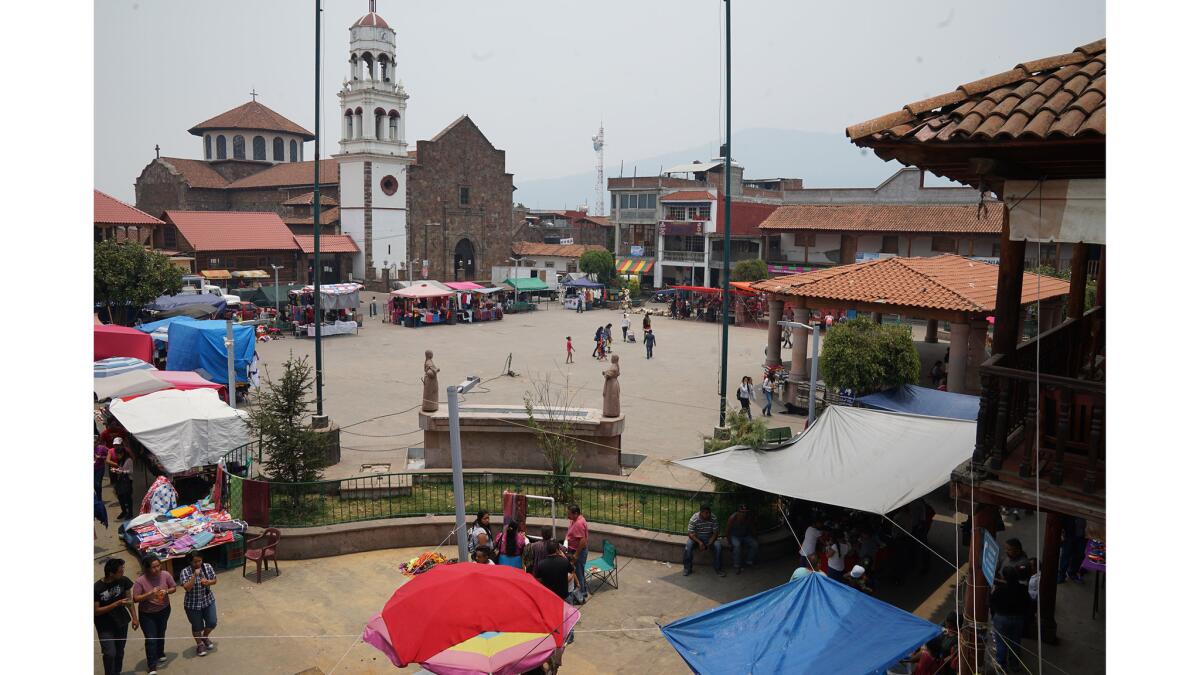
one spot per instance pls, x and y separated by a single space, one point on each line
891 244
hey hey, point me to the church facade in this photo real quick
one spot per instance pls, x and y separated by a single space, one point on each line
442 211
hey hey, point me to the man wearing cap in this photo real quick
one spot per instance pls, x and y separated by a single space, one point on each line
702 533
740 530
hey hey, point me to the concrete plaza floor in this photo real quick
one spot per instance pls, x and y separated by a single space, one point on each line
308 620
669 401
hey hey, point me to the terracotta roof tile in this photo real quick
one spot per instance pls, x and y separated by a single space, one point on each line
306 199
328 217
560 250
108 210
196 173
925 218
688 196
371 20
946 282
1033 100
252 116
233 230
330 243
290 173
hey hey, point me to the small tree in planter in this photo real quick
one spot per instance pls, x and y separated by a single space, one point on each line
279 417
553 433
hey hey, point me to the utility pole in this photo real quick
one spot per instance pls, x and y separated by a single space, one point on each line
728 224
317 315
460 508
231 391
276 268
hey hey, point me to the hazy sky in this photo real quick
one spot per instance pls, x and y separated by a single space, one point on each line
538 76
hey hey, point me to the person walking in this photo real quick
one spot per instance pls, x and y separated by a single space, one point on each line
599 340
570 351
625 327
745 394
649 341
608 336
768 387
114 612
198 601
645 323
577 542
122 469
153 590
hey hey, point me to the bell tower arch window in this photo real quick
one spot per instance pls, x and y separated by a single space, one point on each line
239 147
221 147
292 151
207 146
277 149
260 148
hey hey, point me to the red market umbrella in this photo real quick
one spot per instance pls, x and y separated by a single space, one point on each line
451 604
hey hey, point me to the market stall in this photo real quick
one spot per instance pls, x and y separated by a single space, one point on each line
200 345
116 365
702 303
339 303
583 290
475 302
193 304
169 531
423 303
109 341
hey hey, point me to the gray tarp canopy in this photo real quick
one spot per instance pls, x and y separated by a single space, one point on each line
868 460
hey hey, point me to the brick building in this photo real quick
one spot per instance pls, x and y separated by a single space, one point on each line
460 209
568 226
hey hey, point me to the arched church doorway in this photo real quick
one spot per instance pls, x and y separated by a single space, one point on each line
464 260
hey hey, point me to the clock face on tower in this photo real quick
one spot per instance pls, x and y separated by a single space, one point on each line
389 184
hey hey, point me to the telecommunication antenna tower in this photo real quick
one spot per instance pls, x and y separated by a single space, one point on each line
598 146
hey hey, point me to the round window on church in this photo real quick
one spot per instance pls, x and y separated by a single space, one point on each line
389 185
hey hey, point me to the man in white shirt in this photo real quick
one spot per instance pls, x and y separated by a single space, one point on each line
812 536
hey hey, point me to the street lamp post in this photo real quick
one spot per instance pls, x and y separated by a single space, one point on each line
812 372
728 223
460 508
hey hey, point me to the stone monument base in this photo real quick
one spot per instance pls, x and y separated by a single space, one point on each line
499 437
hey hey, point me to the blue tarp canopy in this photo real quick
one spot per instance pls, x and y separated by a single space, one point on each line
201 344
916 400
166 303
163 323
583 283
811 625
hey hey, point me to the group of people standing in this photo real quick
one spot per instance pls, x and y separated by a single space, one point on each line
603 339
119 604
558 566
746 393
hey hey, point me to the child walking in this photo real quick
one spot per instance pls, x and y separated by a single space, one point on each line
570 351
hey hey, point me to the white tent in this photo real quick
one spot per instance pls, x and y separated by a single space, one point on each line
184 429
856 458
127 384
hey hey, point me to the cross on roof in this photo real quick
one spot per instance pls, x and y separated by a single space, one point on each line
156 151
253 95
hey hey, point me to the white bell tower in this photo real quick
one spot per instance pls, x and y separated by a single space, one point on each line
373 160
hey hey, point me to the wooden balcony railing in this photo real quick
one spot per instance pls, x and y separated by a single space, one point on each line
1062 435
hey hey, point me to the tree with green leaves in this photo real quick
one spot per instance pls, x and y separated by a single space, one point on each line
600 264
128 275
750 270
279 417
866 357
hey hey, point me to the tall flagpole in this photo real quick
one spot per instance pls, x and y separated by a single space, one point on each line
728 223
317 212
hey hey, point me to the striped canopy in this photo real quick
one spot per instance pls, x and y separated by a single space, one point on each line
635 265
117 365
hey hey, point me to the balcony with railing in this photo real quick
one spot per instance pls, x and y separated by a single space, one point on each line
670 256
1041 420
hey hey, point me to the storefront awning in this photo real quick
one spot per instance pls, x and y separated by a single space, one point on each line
527 284
635 265
251 274
216 274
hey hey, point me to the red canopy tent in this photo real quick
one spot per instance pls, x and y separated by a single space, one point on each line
121 341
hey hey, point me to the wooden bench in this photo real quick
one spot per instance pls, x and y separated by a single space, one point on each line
779 435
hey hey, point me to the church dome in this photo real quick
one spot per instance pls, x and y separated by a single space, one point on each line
371 20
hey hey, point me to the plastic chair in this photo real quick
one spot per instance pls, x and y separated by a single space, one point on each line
262 553
605 567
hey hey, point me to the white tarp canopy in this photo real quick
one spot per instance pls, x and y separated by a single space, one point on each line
184 429
1067 211
868 460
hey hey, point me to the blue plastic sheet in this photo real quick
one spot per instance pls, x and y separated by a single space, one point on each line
168 302
162 323
811 625
201 344
916 400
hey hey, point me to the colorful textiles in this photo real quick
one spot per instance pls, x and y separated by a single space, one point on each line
182 511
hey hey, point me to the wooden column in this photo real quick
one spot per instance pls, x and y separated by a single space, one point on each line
1048 586
956 370
1008 292
974 636
931 330
1075 301
848 249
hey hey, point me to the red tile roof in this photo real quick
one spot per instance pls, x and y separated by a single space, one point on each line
306 199
371 20
330 243
233 230
1057 97
252 116
328 217
108 210
289 173
196 173
747 216
560 250
931 218
688 196
945 282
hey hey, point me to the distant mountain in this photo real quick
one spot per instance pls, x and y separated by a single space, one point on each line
821 159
